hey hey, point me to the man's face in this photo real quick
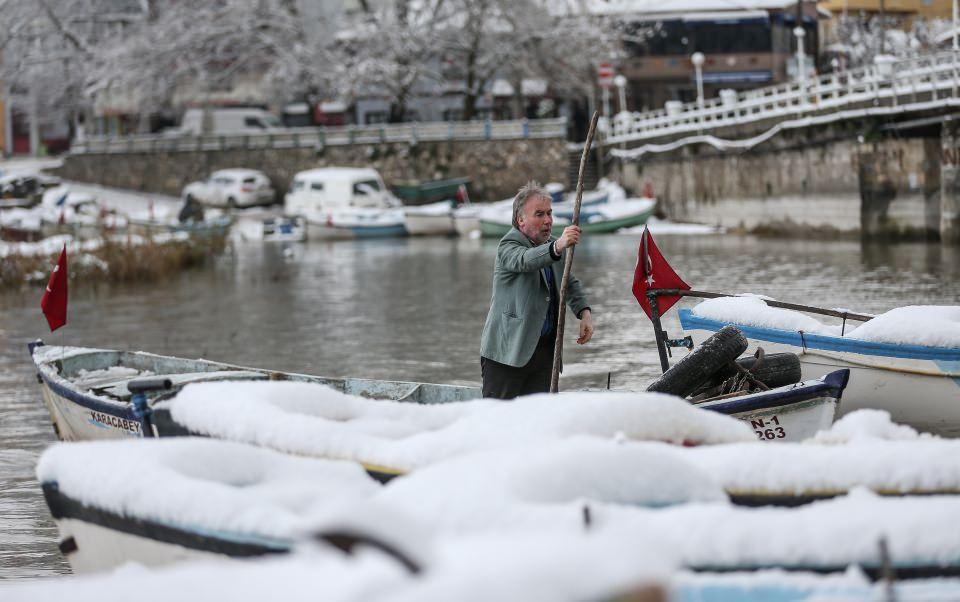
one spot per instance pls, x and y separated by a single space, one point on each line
536 219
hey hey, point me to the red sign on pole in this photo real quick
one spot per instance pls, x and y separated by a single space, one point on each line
605 75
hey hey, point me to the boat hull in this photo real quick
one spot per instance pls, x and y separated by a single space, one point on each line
103 410
95 539
790 413
916 391
429 225
332 231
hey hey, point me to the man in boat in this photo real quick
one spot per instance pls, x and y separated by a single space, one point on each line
516 348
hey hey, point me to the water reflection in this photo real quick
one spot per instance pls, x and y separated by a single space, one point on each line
406 309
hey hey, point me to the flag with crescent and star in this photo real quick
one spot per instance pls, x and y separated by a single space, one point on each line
54 301
653 272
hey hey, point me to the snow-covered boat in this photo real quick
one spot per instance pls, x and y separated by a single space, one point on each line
214 226
895 365
435 218
158 502
87 395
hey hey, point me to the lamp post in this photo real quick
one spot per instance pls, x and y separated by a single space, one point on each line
621 83
956 45
801 71
697 59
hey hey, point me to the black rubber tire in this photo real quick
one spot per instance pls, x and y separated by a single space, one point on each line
699 365
776 369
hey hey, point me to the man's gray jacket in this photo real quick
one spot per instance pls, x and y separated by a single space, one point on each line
521 299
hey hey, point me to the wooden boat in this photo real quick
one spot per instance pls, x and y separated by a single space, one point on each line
432 219
790 413
601 218
213 227
138 516
917 385
419 193
86 391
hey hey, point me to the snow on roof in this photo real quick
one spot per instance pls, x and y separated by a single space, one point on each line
926 325
338 173
203 483
315 420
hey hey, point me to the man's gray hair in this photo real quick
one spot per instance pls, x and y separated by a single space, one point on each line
530 190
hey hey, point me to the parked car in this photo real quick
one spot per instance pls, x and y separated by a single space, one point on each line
232 188
232 120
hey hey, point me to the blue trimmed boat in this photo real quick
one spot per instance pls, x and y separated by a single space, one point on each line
916 384
87 392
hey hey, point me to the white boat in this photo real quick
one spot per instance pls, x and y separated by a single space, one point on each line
433 219
917 384
86 389
466 220
790 413
341 203
186 499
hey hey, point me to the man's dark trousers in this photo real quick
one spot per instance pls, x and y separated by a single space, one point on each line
501 381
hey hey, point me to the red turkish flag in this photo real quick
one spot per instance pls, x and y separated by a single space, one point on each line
54 301
653 272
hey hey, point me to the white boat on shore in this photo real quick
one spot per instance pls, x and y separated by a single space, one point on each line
433 219
344 203
892 368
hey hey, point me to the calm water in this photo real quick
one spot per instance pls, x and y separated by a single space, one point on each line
403 309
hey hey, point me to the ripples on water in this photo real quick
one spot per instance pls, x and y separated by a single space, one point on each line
404 309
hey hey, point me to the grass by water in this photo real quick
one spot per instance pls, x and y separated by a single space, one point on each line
115 260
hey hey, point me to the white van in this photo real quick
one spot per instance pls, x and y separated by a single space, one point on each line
228 121
334 188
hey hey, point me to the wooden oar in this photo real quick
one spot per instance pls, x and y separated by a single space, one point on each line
568 261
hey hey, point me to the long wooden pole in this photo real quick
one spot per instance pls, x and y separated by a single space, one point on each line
568 261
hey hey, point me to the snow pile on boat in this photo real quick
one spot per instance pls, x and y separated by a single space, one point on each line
548 486
870 425
530 568
201 483
927 325
753 311
862 449
312 419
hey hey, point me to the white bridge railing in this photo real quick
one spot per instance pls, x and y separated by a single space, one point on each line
896 83
318 137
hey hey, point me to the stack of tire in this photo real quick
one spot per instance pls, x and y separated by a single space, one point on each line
704 372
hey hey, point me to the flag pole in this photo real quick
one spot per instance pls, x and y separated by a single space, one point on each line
568 261
657 328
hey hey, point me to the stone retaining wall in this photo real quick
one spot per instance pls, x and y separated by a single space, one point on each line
836 184
497 168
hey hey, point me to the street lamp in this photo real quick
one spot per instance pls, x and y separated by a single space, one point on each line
697 59
956 46
801 72
621 83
